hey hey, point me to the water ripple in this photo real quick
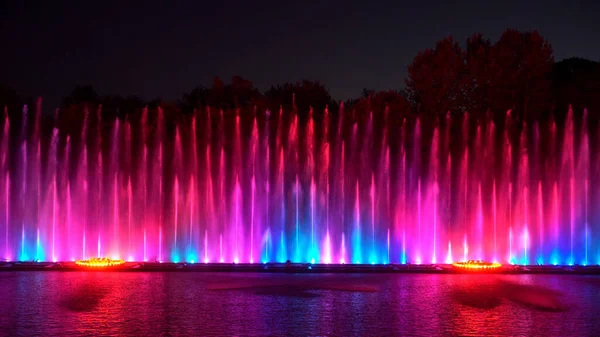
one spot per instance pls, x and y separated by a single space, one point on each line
214 304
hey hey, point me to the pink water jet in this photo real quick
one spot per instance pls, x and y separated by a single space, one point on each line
299 185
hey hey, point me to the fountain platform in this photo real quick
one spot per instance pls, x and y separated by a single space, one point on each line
298 268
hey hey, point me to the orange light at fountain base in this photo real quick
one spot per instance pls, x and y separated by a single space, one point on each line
99 262
476 264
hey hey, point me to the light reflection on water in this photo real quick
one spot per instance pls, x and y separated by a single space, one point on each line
104 303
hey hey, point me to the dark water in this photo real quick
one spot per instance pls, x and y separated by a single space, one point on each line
202 304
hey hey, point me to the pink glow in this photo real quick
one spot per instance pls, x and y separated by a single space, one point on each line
300 185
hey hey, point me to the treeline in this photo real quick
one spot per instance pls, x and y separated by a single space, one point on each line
517 72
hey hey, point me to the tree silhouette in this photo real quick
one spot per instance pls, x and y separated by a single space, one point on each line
378 102
195 99
305 94
576 82
81 94
9 98
516 72
243 92
437 79
478 54
239 94
521 63
121 106
513 73
365 93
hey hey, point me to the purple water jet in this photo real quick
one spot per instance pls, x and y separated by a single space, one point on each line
312 186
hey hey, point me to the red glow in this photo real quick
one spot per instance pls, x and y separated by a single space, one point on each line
476 264
99 262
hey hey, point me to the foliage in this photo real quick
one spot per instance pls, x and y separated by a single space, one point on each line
513 73
301 96
576 82
517 72
437 80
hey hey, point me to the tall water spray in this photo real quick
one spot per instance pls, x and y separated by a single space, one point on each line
314 186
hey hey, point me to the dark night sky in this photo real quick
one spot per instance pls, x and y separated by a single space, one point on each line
163 48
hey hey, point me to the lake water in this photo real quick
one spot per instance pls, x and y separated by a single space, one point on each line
205 304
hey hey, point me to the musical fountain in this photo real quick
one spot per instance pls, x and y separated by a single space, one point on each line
317 188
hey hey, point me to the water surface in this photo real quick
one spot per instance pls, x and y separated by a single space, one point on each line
177 304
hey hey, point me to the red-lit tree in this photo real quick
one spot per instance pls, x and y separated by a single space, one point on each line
513 74
576 82
477 60
520 68
437 79
305 94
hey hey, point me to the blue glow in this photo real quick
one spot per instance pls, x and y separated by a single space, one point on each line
304 196
192 258
23 256
282 251
39 252
373 257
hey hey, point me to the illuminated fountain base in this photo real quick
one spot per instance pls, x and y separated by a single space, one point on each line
99 262
469 267
476 265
